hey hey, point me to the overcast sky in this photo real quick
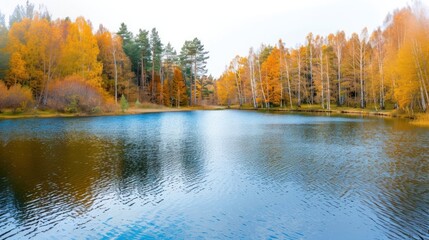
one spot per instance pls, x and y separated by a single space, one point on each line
226 27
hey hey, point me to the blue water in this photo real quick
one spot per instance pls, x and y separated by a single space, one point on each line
214 175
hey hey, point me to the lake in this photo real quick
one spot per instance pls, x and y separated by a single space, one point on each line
214 175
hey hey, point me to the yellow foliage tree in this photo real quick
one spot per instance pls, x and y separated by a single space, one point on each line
178 95
17 73
79 53
35 48
226 88
115 62
412 64
271 77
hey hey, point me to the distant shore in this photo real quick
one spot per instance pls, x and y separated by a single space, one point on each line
417 119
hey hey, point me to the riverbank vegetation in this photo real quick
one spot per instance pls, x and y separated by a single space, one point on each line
63 65
67 67
381 71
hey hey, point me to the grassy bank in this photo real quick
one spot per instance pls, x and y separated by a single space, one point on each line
334 109
144 108
418 119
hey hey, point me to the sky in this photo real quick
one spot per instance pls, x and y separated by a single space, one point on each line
226 27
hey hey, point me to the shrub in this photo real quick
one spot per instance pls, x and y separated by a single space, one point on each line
137 104
73 95
73 106
109 105
124 103
3 94
17 98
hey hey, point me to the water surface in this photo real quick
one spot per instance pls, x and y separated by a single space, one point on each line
214 175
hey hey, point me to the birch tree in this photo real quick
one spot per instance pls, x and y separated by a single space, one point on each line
363 38
338 44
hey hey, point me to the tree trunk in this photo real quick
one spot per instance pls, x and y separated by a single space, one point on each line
340 100
153 76
260 81
288 83
299 78
238 89
311 76
321 77
161 79
143 77
195 82
361 65
328 100
252 80
116 76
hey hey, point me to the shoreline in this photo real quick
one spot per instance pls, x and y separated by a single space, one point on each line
342 112
130 111
419 120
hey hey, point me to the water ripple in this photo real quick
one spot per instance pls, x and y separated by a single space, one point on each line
214 175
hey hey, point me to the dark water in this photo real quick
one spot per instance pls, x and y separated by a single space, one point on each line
214 175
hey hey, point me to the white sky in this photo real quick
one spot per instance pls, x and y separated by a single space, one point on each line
226 27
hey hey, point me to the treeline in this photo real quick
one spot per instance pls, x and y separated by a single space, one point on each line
386 68
65 66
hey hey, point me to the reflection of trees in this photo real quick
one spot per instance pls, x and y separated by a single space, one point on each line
191 157
405 187
161 153
69 171
381 164
139 167
315 156
51 175
183 148
72 169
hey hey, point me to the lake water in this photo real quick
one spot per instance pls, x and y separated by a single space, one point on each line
214 175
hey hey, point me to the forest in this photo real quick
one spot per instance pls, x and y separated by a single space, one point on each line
67 66
63 65
384 69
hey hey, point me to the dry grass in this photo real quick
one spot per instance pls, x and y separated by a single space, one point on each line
148 105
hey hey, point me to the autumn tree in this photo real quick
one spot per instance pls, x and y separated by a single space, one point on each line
339 42
116 72
17 73
320 45
412 61
4 56
35 47
297 56
396 25
236 68
310 46
363 40
79 53
226 88
178 94
270 71
251 59
285 75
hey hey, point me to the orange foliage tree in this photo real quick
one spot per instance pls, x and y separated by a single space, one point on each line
79 53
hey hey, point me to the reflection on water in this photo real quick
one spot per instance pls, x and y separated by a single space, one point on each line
221 174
